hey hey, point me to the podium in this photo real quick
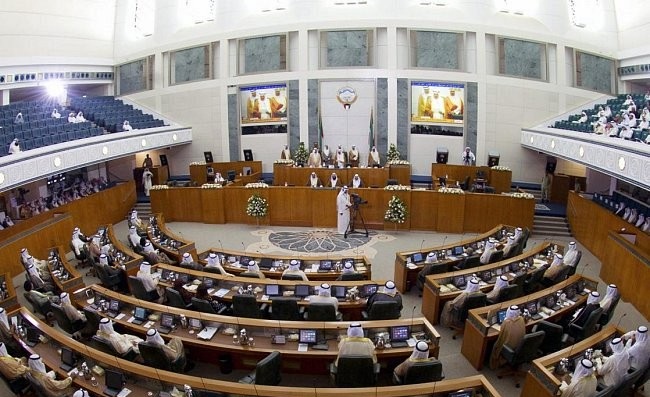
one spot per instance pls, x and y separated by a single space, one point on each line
160 176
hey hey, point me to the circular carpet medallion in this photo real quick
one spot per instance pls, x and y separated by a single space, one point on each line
317 241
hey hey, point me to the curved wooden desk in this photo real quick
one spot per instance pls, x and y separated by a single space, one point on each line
439 288
8 299
131 259
66 278
480 335
406 270
155 380
361 264
299 176
501 181
542 381
158 232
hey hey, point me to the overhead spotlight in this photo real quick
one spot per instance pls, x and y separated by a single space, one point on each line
54 88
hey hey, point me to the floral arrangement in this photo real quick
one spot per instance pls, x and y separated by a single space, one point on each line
398 162
197 163
284 161
256 185
451 190
301 155
397 187
500 168
393 154
397 211
211 186
257 206
521 195
159 187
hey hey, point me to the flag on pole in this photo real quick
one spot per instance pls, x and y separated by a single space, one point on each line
371 133
320 132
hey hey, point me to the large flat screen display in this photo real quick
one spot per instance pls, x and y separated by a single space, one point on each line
263 104
435 103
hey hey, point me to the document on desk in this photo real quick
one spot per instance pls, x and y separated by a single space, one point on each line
191 287
303 347
411 266
207 333
222 292
123 393
120 316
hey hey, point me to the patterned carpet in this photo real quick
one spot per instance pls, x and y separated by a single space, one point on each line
317 242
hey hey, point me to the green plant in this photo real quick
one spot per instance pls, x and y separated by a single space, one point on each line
301 155
397 211
392 154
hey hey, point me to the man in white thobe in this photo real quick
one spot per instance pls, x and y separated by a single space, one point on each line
343 210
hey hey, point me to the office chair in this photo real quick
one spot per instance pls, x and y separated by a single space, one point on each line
92 322
322 312
246 306
37 387
575 267
629 380
351 277
532 283
465 185
496 256
154 356
607 315
211 269
294 277
473 301
428 270
105 346
42 308
519 281
202 305
250 275
285 308
421 372
469 262
644 377
175 299
355 371
577 333
139 291
524 353
108 280
560 276
509 292
64 322
382 310
19 386
267 371
552 336
604 391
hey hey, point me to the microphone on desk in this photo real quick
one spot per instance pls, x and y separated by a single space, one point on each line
412 316
243 246
220 245
621 318
421 244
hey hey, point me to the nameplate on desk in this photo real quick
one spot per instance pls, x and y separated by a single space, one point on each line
303 347
120 316
207 333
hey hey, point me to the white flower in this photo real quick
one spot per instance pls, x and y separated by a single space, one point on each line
256 185
451 190
521 195
197 163
396 211
397 187
211 186
398 162
257 206
500 168
284 161
159 187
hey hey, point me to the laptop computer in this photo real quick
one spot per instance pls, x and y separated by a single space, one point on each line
339 292
67 359
266 263
33 336
114 382
301 291
456 251
368 289
272 290
532 309
113 308
462 393
325 266
551 303
195 323
399 335
417 257
459 282
139 315
307 336
166 323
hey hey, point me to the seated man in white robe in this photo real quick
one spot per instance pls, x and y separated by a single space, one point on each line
583 382
120 342
11 367
420 354
450 314
334 180
255 269
325 296
314 180
571 254
356 181
488 251
188 262
148 281
611 295
614 367
75 316
213 262
173 349
493 296
637 347
356 344
47 379
294 270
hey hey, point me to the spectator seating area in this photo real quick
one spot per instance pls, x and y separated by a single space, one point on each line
39 128
110 113
633 211
618 106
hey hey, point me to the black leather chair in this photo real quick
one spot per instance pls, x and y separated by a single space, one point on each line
644 377
175 299
322 312
428 270
520 281
42 308
267 371
19 386
527 351
92 322
607 315
351 277
469 262
496 256
64 322
382 310
139 291
553 337
421 372
105 346
211 269
294 277
573 269
604 391
248 275
285 308
629 380
577 333
37 387
108 280
559 277
355 371
154 356
202 305
473 301
465 184
246 306
509 292
533 282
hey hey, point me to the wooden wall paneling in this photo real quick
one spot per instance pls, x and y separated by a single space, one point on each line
323 208
405 195
424 214
213 205
282 201
299 200
451 208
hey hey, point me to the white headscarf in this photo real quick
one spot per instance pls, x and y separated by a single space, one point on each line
65 299
612 292
252 267
325 290
187 258
103 259
333 180
356 181
213 260
294 265
36 364
586 368
502 281
513 312
148 248
431 257
3 350
472 285
153 336
594 297
557 260
24 254
389 288
145 268
81 393
518 233
640 350
134 215
510 241
348 268
106 326
3 318
313 179
33 273
355 331
420 351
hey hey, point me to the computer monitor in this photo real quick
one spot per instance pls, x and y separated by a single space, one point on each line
247 170
210 170
417 257
442 155
532 307
164 275
167 320
301 291
550 301
459 281
195 323
400 333
114 379
462 393
208 157
114 305
486 275
67 358
307 336
272 290
493 159
140 313
571 291
325 265
339 291
457 251
163 160
243 260
266 263
368 289
231 175
501 315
